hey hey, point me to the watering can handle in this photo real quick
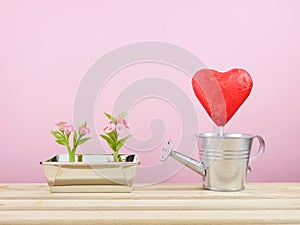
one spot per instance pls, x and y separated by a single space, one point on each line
260 151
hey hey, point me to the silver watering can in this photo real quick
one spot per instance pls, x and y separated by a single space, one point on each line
225 159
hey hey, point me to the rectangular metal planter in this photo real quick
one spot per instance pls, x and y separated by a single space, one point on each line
90 173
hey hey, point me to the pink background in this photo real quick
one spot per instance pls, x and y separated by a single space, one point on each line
46 47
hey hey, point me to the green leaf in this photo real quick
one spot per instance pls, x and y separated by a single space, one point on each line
121 142
107 138
68 135
75 139
62 142
110 117
60 132
56 134
109 141
124 114
113 136
84 124
81 141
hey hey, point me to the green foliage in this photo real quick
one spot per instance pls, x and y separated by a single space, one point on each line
75 138
109 141
56 134
61 142
83 140
84 124
124 114
121 142
110 117
62 138
112 138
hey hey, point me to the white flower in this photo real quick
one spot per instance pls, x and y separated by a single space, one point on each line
120 128
110 128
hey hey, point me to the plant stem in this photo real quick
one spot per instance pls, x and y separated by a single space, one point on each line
72 153
72 156
116 156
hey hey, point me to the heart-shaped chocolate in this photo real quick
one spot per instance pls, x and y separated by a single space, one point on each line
222 94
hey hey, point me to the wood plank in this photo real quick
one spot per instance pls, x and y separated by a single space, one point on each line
155 195
190 204
160 186
151 217
197 186
161 191
271 203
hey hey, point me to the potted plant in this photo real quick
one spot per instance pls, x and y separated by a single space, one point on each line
91 172
116 133
63 133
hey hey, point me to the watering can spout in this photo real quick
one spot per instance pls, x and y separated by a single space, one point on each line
193 164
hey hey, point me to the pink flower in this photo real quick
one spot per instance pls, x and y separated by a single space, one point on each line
110 127
120 128
84 130
121 120
61 124
68 129
125 124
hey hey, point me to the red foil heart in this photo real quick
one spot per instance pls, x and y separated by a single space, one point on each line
222 94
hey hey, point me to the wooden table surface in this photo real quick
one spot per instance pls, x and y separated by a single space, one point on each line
264 203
